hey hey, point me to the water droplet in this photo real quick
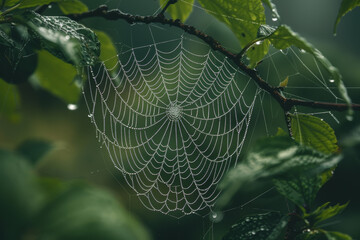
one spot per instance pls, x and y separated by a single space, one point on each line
349 117
72 107
274 19
216 216
90 115
67 37
331 80
302 51
284 51
50 6
258 43
253 233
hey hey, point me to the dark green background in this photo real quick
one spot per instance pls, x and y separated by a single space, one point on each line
79 157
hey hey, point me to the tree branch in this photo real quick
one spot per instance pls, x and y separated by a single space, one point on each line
286 103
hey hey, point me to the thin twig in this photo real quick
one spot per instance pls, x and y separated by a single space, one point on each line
286 103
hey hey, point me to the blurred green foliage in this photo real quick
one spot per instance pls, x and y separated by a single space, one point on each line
34 207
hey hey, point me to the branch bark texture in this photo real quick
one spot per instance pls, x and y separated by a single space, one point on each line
286 103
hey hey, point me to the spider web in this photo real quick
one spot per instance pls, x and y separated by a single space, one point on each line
174 115
174 118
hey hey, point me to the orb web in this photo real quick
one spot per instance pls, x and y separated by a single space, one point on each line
173 117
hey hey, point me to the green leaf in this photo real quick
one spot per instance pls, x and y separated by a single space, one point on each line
72 7
283 37
17 58
21 198
64 38
9 101
5 40
284 83
179 10
269 226
314 132
274 13
346 6
301 191
244 19
62 83
324 212
83 212
34 149
275 157
108 52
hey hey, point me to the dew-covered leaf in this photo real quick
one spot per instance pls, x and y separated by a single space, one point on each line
34 149
108 52
17 58
83 212
20 195
72 7
274 13
5 40
324 212
64 38
244 19
345 7
9 101
283 37
314 132
62 83
269 226
301 190
278 156
179 10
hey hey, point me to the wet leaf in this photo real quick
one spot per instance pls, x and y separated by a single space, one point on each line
244 19
300 190
64 38
269 226
345 7
274 13
314 132
275 157
108 51
283 37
